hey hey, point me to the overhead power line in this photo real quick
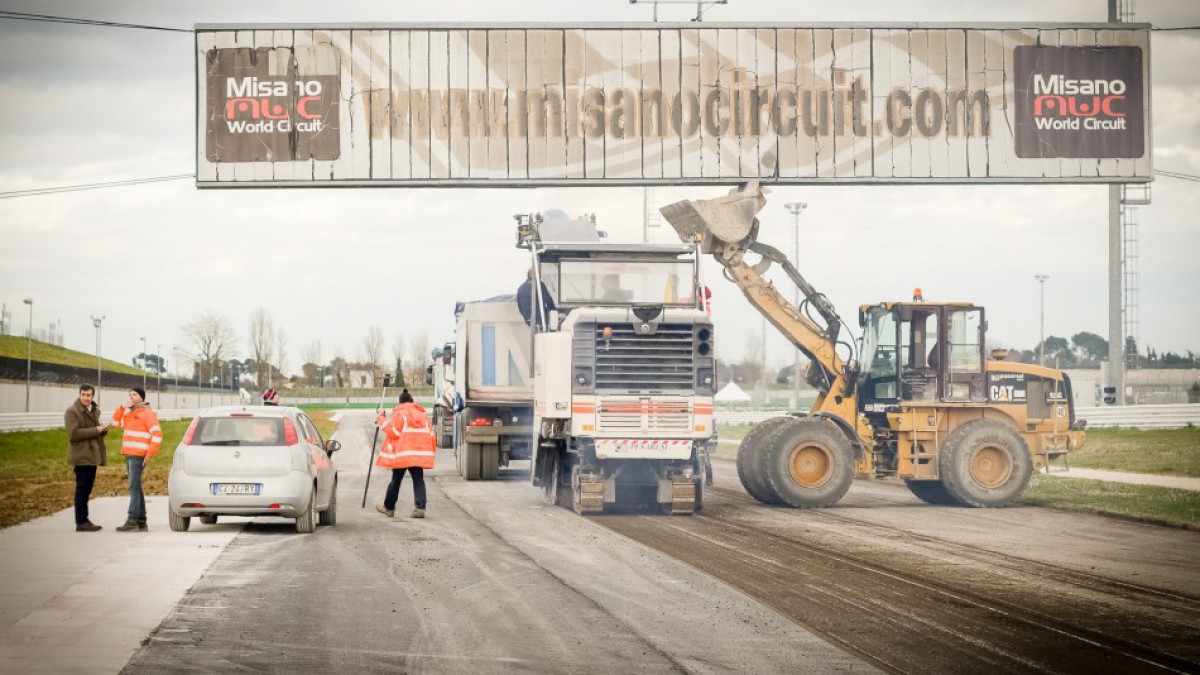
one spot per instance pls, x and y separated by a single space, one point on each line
1177 174
22 16
92 186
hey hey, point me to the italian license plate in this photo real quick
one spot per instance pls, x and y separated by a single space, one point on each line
236 488
634 447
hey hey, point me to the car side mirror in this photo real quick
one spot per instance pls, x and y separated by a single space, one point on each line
332 446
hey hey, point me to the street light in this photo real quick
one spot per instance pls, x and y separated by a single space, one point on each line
795 208
29 355
143 363
1042 331
159 367
97 321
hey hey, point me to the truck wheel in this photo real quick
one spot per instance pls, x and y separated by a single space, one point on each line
550 477
489 458
755 482
930 492
985 464
809 463
471 461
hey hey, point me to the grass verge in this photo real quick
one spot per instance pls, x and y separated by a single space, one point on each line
1172 452
35 479
18 348
323 419
1168 506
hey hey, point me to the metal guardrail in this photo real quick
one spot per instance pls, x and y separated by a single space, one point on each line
1134 416
43 421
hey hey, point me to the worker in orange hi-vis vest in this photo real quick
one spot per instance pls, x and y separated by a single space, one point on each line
140 441
409 445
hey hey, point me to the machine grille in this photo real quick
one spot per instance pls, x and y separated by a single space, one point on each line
644 415
662 361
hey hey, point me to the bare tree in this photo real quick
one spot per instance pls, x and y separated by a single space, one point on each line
212 337
311 356
262 343
280 349
418 357
372 346
398 345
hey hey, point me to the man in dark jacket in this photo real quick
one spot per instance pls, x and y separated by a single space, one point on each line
86 452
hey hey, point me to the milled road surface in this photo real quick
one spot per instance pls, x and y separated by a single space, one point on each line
491 581
495 581
921 589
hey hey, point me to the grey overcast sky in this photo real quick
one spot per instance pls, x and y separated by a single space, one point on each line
87 104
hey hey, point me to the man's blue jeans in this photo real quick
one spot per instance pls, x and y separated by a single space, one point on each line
137 500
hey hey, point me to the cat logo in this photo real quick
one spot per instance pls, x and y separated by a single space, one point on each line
1002 392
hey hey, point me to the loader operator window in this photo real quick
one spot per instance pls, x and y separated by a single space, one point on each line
881 355
918 337
625 282
964 352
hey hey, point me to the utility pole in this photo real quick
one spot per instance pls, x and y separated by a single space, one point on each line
29 356
795 208
97 321
143 364
1042 331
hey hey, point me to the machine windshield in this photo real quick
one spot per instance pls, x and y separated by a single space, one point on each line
879 343
626 282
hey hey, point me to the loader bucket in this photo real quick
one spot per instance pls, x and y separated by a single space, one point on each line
727 219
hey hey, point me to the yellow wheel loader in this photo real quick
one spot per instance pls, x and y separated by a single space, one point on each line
916 398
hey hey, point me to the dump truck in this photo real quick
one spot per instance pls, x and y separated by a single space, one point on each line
624 370
486 366
917 397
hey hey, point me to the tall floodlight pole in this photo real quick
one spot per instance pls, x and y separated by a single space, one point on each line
158 368
795 208
98 321
143 364
29 355
1042 331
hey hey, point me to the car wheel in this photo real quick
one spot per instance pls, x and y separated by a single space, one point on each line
329 515
178 523
307 522
208 520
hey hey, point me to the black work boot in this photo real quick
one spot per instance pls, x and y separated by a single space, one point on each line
130 525
88 526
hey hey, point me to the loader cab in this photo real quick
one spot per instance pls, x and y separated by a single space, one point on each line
922 352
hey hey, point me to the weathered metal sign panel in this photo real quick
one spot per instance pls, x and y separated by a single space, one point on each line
671 104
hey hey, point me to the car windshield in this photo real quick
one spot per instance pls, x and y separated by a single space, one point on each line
626 282
239 431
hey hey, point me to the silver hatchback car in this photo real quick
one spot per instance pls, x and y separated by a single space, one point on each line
253 461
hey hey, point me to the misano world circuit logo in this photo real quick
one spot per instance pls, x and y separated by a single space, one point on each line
1079 102
261 110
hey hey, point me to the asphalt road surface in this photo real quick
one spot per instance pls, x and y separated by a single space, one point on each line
495 581
491 581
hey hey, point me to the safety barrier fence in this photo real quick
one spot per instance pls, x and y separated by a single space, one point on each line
1138 417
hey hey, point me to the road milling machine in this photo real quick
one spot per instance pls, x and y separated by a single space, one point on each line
923 402
624 370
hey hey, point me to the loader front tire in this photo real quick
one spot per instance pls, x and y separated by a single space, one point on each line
809 463
985 464
751 468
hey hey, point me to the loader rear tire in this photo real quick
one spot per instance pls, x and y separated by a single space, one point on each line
471 461
809 463
489 458
750 468
931 492
985 464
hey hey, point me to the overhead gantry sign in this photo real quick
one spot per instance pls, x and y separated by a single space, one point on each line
671 104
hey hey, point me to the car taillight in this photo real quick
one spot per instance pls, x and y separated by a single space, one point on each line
481 422
289 433
191 431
